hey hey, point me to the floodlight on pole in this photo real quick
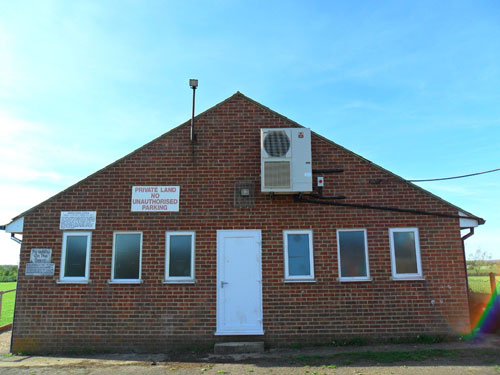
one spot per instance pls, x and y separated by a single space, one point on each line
193 83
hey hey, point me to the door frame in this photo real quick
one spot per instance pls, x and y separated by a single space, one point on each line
220 261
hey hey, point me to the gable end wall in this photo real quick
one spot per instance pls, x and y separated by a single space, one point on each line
154 316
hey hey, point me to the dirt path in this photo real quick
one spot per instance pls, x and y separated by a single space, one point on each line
436 359
5 342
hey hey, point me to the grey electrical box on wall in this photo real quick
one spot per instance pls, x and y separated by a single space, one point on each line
286 160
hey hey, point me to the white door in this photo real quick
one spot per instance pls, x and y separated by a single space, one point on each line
239 282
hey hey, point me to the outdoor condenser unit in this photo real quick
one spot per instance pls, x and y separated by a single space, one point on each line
286 160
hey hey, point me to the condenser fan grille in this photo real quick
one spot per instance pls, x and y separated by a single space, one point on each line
276 143
277 174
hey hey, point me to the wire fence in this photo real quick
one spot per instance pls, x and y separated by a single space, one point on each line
482 283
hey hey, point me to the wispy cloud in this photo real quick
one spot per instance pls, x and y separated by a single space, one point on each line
17 198
449 188
361 104
30 152
486 241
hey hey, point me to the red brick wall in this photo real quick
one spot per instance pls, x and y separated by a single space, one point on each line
51 316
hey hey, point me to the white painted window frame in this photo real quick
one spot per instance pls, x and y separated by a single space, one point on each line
179 279
126 281
405 276
75 279
309 277
367 260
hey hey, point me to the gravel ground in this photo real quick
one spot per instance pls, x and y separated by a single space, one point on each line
435 359
5 342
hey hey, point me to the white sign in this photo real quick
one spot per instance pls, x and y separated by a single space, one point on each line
40 255
77 220
155 198
40 269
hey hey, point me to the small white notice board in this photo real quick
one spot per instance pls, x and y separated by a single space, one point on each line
40 269
40 263
40 255
78 220
155 199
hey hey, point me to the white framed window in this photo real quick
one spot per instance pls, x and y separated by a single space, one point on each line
299 259
179 256
352 253
405 253
127 257
75 258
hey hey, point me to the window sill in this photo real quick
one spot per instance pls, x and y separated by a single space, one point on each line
73 282
344 280
409 278
125 282
299 280
179 281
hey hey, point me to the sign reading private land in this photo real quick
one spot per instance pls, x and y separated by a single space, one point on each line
77 220
155 198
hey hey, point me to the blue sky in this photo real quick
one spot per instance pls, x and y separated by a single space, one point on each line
411 86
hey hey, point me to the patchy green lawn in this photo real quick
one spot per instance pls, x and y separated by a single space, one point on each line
481 284
7 303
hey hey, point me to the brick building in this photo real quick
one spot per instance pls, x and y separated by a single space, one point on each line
175 244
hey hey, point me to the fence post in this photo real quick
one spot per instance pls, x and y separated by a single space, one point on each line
493 283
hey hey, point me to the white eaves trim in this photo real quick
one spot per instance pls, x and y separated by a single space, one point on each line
16 226
467 221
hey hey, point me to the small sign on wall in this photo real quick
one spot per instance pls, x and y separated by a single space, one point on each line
78 219
155 199
40 255
40 269
40 263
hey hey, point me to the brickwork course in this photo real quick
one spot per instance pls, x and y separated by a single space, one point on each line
51 316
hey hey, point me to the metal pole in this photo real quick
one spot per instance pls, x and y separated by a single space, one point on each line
193 135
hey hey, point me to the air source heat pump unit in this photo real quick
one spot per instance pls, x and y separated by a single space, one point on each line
286 160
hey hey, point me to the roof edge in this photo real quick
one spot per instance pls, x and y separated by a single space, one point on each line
479 219
130 154
239 94
469 215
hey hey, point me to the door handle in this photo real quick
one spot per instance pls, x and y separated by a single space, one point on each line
222 283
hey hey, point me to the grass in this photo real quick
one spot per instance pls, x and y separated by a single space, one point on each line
483 266
7 303
481 284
